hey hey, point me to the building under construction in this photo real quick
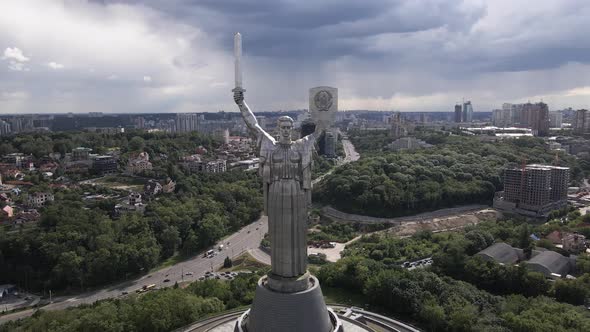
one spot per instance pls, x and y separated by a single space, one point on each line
533 190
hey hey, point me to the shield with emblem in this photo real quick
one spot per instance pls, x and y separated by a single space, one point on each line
323 105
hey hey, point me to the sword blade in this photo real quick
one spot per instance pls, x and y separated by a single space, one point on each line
238 59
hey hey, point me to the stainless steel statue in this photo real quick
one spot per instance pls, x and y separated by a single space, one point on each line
288 298
286 177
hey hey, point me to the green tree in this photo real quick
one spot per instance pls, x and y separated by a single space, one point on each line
227 263
137 144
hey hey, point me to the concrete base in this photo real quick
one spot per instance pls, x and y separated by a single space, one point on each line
287 285
274 311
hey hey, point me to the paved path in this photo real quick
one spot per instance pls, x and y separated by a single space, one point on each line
357 218
246 238
260 255
351 155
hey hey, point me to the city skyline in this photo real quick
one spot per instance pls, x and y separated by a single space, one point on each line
148 56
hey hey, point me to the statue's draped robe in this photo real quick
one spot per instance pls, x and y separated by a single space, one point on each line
286 175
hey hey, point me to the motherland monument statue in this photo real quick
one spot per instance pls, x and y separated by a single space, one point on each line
289 298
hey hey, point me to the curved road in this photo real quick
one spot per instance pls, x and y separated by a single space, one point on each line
246 238
351 155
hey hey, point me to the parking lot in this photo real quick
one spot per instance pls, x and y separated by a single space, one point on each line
417 264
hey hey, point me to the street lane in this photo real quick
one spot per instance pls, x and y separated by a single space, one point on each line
248 237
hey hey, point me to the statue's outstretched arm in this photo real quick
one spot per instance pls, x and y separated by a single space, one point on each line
248 116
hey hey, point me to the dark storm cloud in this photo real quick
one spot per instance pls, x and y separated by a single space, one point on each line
315 29
382 54
323 30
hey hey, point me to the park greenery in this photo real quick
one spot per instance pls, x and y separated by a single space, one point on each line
440 303
460 170
461 291
160 310
76 247
80 244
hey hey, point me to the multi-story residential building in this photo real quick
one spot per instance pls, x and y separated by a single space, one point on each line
503 117
139 163
80 154
16 159
195 164
104 165
560 178
39 199
534 190
467 111
536 116
330 140
407 143
458 114
574 242
581 123
555 119
397 126
5 128
187 122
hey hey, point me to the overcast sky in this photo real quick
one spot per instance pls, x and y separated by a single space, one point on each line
176 55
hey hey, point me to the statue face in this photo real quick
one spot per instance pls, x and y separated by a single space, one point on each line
285 129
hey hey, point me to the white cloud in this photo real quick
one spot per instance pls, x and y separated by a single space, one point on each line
187 53
14 54
16 59
55 65
14 95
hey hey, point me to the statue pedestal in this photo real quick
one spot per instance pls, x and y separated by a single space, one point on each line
288 285
274 311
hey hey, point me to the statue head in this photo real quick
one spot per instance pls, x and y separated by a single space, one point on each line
285 124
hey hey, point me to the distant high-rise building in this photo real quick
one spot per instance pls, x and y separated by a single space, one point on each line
555 119
536 116
187 122
502 118
139 122
21 124
397 126
581 123
458 114
330 144
467 111
5 128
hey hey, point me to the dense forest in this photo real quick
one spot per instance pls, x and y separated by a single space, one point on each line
163 310
461 292
76 247
460 170
42 144
458 293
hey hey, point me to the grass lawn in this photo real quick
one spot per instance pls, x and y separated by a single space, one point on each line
122 182
342 296
173 260
245 262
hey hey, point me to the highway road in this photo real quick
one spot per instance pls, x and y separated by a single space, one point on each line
351 155
245 239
